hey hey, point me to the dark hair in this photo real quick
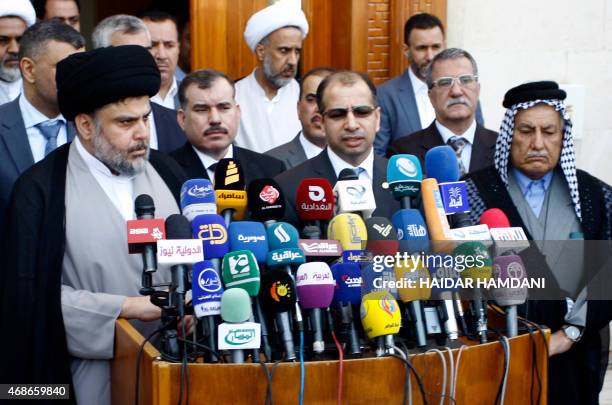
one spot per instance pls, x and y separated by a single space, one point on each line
346 78
319 72
35 38
204 79
158 16
40 7
421 21
450 53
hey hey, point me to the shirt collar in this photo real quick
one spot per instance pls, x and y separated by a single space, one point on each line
310 149
523 181
417 84
31 116
170 95
338 164
95 165
446 133
207 160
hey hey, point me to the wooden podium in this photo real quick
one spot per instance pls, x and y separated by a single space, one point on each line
366 381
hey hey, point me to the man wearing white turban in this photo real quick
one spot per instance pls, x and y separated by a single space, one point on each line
267 97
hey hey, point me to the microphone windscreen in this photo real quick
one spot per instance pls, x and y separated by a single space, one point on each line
348 229
282 235
144 207
441 164
414 277
197 198
348 283
411 230
472 261
442 270
509 269
229 175
247 235
380 314
494 218
382 236
265 200
315 285
404 175
347 174
210 229
206 289
375 279
240 269
235 306
277 291
314 200
178 227
437 223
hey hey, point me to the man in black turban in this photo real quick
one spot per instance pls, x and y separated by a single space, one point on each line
567 214
67 272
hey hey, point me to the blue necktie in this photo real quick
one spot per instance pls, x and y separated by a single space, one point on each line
535 195
458 143
359 170
50 129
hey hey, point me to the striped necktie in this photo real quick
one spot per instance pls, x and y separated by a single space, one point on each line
458 143
50 130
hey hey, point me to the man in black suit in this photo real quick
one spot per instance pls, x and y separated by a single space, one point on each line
351 118
210 117
452 79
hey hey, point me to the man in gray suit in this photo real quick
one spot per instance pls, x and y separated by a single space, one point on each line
404 100
31 125
310 141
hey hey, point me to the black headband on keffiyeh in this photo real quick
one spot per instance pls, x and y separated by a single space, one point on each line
567 159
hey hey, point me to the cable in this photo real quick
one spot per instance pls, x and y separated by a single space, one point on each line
417 377
443 361
451 384
206 348
340 368
302 369
184 368
139 358
270 376
501 393
457 370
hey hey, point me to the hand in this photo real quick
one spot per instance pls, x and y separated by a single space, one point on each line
559 343
140 308
189 326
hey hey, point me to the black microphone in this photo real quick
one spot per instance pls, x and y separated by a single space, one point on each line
265 201
178 227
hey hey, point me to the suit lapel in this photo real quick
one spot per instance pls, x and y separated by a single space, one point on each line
322 166
408 100
15 138
482 151
191 163
296 152
431 139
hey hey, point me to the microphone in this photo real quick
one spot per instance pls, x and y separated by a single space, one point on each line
315 287
229 190
381 237
210 229
197 198
283 242
278 296
314 202
437 223
378 277
143 234
507 239
350 231
237 333
381 319
347 295
266 201
509 269
206 292
404 175
353 195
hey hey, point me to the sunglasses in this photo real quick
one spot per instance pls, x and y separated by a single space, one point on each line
359 111
447 82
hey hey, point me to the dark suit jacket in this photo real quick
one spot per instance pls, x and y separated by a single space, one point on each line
15 153
291 153
170 136
400 114
320 167
420 142
254 165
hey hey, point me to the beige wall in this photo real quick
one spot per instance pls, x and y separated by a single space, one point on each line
524 40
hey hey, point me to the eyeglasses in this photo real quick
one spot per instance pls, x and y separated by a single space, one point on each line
447 82
359 111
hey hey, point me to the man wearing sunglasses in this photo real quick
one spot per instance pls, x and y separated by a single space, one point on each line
351 117
452 79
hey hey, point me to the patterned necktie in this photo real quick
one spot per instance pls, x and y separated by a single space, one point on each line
359 170
458 143
50 129
535 195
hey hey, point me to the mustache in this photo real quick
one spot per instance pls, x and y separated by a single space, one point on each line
216 128
141 145
534 153
458 100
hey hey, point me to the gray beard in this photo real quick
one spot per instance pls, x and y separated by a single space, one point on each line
273 77
114 159
9 75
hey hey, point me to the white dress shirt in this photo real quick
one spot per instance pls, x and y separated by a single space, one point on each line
31 118
9 90
207 160
426 111
153 143
338 164
168 101
310 149
468 135
118 189
266 123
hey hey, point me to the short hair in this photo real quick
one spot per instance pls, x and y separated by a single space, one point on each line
319 72
40 7
450 53
122 23
35 38
421 21
346 78
204 79
158 16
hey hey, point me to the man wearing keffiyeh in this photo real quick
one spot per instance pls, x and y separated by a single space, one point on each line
534 180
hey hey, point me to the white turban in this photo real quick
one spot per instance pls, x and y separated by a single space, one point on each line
18 8
271 18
